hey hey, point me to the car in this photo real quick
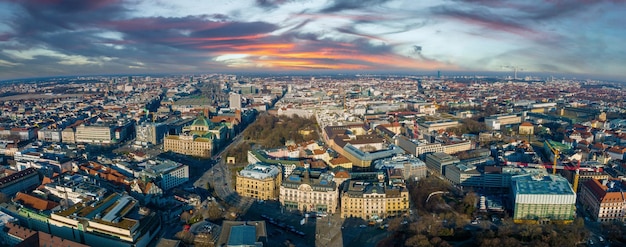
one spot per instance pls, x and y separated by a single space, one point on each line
591 242
474 222
601 238
362 226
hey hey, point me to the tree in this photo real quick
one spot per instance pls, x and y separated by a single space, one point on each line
510 242
214 212
506 228
469 203
204 239
418 241
185 236
395 225
3 198
185 216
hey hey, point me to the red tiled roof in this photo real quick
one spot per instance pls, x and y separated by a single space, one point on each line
19 231
34 202
340 160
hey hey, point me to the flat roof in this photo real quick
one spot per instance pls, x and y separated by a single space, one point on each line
242 235
542 185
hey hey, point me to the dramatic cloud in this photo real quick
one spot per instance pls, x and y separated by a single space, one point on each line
65 37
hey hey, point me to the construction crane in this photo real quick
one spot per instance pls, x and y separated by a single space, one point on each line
576 177
556 156
515 69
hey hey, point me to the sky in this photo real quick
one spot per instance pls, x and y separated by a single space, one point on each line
41 38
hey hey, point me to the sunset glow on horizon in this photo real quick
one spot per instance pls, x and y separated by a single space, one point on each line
66 37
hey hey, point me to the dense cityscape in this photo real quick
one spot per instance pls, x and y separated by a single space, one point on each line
351 160
332 123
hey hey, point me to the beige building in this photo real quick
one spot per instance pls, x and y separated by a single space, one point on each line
495 122
196 140
68 135
370 201
417 147
103 134
604 200
429 126
259 181
526 128
189 145
309 191
452 148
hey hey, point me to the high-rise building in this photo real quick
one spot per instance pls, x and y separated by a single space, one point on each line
542 199
148 133
234 101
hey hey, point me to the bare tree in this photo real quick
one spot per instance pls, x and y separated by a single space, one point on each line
185 236
214 212
185 216
3 198
204 239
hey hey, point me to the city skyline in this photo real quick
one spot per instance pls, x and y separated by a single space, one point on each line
55 38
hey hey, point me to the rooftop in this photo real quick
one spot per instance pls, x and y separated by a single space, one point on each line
542 185
319 181
242 235
260 171
372 155
399 162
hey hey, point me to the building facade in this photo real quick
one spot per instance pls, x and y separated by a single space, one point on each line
167 174
370 201
309 191
604 200
411 166
68 135
464 175
49 135
426 127
196 140
259 181
542 199
436 162
150 133
19 181
114 221
495 122
234 101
